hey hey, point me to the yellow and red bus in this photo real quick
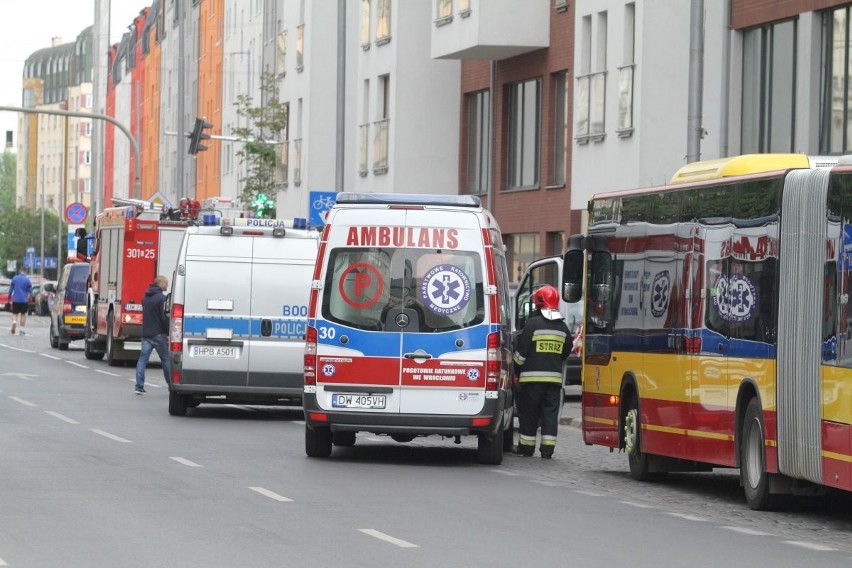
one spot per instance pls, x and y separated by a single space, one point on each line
717 324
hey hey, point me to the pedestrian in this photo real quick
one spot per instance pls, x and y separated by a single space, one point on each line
19 296
155 331
542 347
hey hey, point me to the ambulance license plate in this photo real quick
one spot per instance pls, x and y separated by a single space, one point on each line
358 400
217 352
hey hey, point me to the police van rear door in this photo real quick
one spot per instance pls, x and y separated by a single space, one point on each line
280 285
217 309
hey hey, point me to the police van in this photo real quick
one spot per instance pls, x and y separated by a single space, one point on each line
409 331
238 311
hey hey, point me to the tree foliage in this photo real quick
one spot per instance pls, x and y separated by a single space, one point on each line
266 128
21 228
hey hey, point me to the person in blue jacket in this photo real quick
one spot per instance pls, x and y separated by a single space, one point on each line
19 296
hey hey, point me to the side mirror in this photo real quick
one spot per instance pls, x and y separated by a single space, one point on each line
572 276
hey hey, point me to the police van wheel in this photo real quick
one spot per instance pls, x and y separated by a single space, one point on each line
753 476
489 449
317 442
177 404
343 438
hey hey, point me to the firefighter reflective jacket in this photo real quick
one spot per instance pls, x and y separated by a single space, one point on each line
542 347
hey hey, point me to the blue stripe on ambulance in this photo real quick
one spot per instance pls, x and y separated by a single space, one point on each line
283 328
386 344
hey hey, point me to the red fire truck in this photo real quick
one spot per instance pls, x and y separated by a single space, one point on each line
134 242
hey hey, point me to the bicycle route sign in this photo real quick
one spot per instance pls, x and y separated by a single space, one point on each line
76 213
320 203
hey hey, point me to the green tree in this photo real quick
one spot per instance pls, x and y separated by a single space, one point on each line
21 228
266 128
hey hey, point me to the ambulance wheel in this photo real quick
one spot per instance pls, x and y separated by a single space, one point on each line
54 341
509 436
317 442
753 476
343 438
110 345
177 404
489 450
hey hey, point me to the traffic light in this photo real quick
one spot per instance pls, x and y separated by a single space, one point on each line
197 136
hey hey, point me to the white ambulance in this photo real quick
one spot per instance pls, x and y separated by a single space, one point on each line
239 309
409 330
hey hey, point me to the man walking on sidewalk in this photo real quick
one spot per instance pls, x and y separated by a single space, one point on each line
543 346
155 331
19 296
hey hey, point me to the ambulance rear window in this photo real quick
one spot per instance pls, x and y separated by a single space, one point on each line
443 290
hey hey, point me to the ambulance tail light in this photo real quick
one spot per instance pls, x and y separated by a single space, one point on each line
492 362
311 356
176 329
480 422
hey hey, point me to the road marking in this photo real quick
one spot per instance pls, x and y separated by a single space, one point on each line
23 376
810 545
61 417
16 348
299 422
2 562
22 401
76 364
50 357
751 532
387 538
156 386
686 517
504 472
186 462
107 373
639 505
110 436
271 494
589 493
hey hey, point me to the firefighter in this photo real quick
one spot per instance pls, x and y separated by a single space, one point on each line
543 346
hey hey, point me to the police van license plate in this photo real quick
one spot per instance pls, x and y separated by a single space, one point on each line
358 400
215 352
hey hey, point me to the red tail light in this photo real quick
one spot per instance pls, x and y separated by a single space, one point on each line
66 307
692 345
480 422
311 356
176 329
492 362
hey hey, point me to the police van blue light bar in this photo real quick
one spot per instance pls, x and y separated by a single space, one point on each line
296 223
408 199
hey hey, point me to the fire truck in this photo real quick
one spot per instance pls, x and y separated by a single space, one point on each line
134 242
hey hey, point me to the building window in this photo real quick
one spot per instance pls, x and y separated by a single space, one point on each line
523 249
560 5
363 149
283 171
560 128
464 8
300 47
591 83
380 134
365 24
445 12
281 55
835 133
769 81
383 21
524 119
626 75
478 138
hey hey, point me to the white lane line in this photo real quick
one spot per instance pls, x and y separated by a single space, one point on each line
61 417
299 422
686 517
271 494
76 364
504 472
107 373
110 436
810 545
16 348
2 562
186 462
22 401
638 505
589 493
156 386
51 357
750 532
387 538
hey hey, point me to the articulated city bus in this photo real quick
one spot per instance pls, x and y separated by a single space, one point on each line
717 323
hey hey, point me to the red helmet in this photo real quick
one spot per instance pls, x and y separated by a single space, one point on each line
546 297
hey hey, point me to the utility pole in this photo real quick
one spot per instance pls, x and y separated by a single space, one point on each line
181 7
694 128
340 163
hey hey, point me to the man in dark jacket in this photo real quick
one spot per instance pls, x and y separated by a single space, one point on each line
543 346
155 331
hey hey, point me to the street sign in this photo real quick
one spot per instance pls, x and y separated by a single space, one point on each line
320 203
29 258
76 213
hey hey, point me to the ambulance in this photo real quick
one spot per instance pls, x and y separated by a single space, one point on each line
238 312
409 329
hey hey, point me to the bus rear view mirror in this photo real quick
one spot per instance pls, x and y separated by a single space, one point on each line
572 275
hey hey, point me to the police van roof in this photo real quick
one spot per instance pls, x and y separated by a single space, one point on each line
408 199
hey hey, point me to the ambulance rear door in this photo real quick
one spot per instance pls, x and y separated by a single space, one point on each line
217 307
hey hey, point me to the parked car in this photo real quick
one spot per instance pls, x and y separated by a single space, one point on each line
68 316
4 298
31 309
44 298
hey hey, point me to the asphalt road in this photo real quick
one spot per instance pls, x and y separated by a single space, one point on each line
95 476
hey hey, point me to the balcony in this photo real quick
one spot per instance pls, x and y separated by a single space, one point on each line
489 29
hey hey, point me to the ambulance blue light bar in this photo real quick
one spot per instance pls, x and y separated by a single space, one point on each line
408 199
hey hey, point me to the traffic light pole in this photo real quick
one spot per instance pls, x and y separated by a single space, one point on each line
137 183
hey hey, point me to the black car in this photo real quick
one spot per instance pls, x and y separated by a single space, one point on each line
68 316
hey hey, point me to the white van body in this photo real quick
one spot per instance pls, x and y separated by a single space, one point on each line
409 331
239 308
